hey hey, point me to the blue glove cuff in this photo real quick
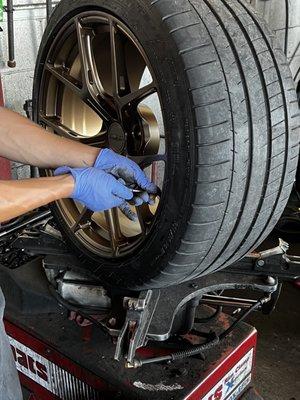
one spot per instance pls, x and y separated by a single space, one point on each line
104 158
68 170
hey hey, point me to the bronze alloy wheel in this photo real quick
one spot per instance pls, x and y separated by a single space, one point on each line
98 88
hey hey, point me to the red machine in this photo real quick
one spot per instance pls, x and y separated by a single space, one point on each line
173 343
51 370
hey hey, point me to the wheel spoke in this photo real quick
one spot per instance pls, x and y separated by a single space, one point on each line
83 220
115 233
65 78
145 217
141 219
139 95
93 91
96 141
120 81
145 161
54 123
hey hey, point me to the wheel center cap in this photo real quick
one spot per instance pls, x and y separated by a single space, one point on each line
116 137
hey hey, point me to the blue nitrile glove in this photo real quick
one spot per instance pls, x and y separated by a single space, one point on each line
129 171
96 189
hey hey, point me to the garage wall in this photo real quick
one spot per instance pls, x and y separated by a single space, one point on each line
30 21
274 12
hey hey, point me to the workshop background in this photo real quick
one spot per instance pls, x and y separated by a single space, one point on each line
278 361
30 18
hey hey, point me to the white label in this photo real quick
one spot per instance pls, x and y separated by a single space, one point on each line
234 382
49 375
31 364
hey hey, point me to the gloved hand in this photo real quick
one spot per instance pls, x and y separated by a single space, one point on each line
96 189
127 170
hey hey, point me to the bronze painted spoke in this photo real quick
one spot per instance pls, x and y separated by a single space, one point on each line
145 217
55 124
83 220
65 78
115 233
147 160
141 219
93 92
96 141
139 95
120 80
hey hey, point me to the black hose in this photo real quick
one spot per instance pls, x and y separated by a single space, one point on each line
179 355
242 317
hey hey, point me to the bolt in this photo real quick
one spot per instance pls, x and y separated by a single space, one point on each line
112 322
86 225
135 364
260 263
270 280
132 304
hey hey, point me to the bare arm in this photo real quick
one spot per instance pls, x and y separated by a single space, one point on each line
23 141
19 197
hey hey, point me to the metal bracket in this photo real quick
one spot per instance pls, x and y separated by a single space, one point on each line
152 316
138 317
274 262
155 319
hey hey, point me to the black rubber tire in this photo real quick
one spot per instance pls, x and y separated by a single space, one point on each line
232 119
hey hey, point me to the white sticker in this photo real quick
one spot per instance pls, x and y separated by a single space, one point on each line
49 375
31 364
233 383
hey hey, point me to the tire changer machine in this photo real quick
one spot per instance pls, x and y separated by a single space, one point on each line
74 339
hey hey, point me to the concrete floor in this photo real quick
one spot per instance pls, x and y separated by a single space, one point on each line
278 355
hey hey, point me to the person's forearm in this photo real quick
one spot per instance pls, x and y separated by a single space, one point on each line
23 141
19 197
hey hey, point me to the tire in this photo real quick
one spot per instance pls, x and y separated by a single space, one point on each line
231 115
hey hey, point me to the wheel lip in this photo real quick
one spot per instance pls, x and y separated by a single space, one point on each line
61 28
